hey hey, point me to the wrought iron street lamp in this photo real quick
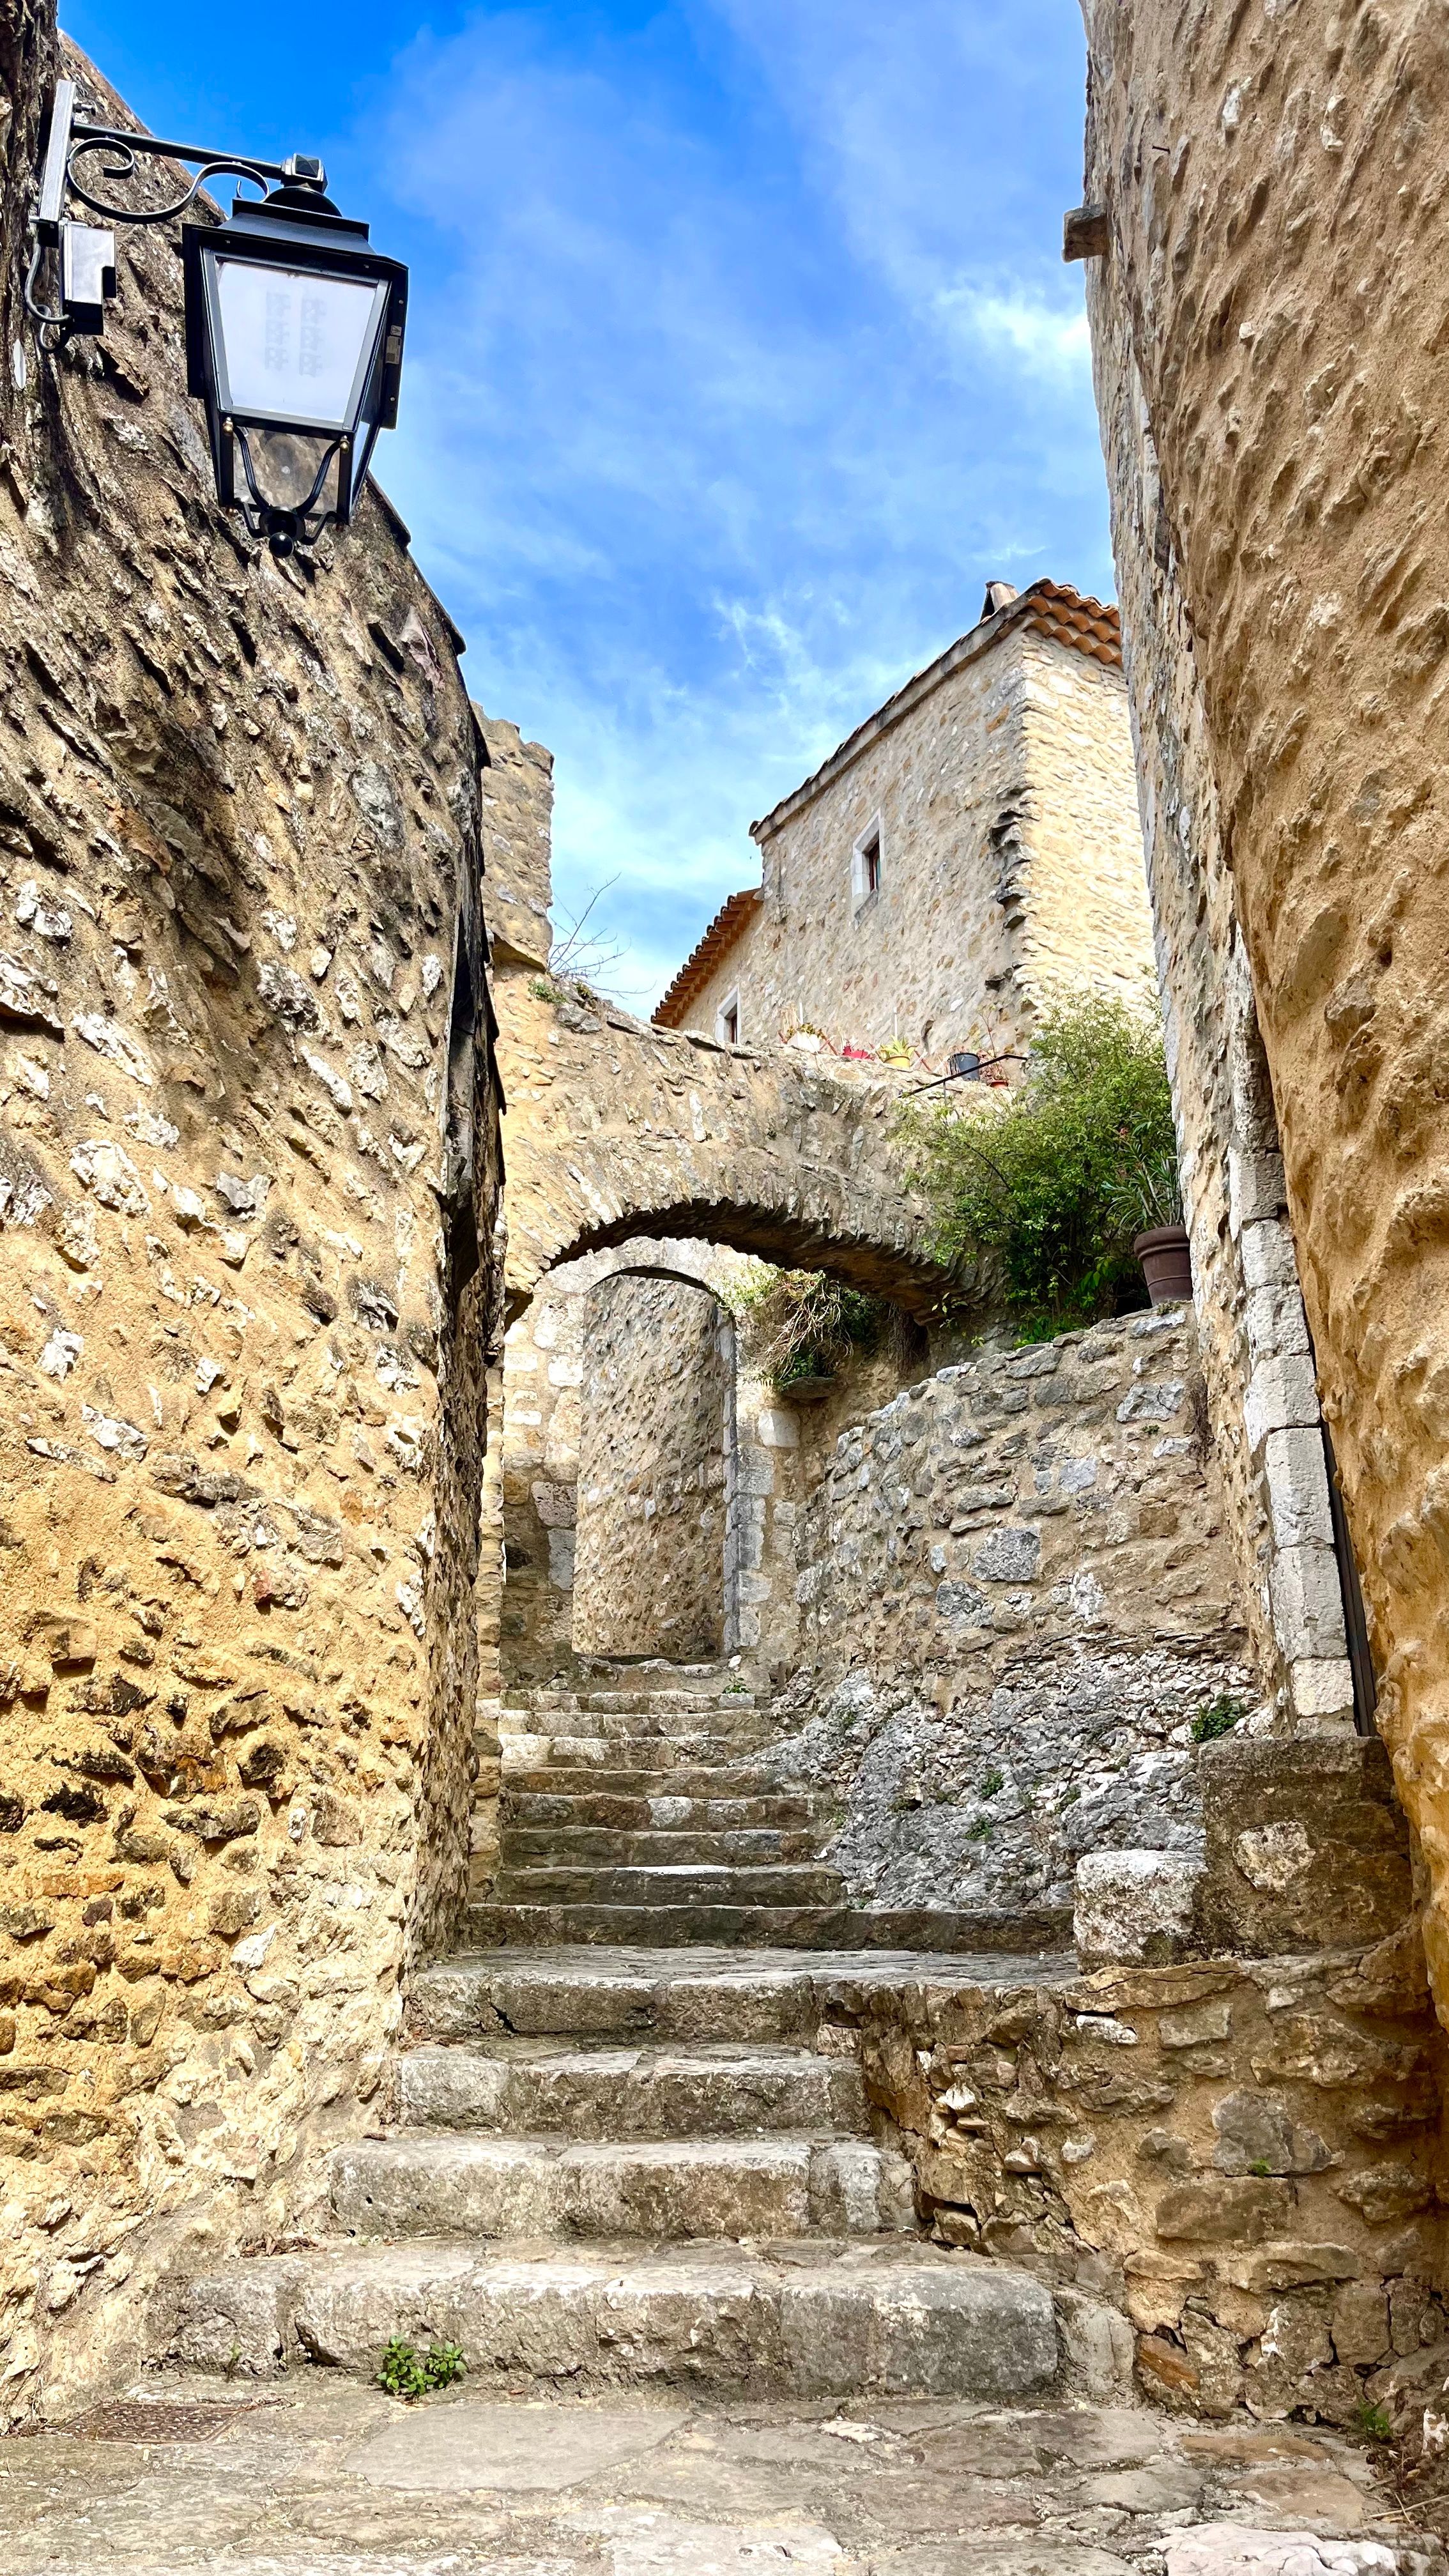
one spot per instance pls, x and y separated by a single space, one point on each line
294 326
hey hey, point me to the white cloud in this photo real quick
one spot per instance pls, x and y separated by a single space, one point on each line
740 357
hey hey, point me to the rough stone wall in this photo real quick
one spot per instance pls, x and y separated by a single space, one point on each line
1274 184
1241 2158
247 1163
656 1400
1012 862
1016 1597
1254 1335
517 826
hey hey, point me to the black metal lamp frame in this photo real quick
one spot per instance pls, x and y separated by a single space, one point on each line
295 221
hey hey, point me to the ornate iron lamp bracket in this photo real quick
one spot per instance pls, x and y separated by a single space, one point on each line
85 253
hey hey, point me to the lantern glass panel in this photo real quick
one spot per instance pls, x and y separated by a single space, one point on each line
284 464
294 344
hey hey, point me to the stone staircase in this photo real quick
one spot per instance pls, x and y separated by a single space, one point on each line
633 2168
646 1810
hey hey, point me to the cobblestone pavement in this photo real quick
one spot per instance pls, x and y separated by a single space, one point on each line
323 2477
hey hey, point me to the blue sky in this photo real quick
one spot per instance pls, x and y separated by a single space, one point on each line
741 355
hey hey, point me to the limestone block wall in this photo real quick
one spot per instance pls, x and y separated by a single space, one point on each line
1016 1596
1240 2159
1011 863
1256 1353
657 1400
1274 189
248 1158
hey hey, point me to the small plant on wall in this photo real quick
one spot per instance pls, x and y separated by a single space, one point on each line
799 1325
1044 1198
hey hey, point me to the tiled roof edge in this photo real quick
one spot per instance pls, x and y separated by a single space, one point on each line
1049 608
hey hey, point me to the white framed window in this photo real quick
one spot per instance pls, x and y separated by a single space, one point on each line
865 865
727 1019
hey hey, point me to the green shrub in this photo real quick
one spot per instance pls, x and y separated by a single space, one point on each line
1043 1200
1216 1717
402 2374
1372 2424
802 1323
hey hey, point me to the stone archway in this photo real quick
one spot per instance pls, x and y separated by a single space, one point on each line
618 1129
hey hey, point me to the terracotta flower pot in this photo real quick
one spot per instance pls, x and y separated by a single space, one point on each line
1166 1264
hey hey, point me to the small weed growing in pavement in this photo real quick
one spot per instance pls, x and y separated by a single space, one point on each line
1216 1717
402 2374
993 1781
1372 2424
1260 2166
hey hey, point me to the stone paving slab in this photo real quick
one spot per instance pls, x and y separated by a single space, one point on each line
329 2478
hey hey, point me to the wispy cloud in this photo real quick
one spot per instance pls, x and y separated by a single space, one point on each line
741 356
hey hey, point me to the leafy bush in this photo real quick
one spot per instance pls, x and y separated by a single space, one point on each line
1044 1199
802 1323
1216 1717
402 2374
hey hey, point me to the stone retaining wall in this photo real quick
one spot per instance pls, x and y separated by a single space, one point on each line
1241 2158
1016 1599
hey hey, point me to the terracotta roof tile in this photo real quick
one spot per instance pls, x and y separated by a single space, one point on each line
729 923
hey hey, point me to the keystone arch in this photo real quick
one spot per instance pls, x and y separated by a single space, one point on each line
616 1129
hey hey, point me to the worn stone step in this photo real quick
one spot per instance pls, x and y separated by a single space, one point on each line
685 1995
685 1884
428 2185
582 1810
574 1847
634 2092
659 1755
693 1719
877 2320
499 1924
605 1778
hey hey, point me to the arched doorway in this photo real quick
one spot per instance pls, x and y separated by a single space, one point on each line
656 1444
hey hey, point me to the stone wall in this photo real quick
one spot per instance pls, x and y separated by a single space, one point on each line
657 1401
517 824
1254 1336
1011 863
1273 186
1241 2159
1017 1596
247 1170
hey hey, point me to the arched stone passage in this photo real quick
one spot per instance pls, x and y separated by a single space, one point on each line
617 1129
656 1437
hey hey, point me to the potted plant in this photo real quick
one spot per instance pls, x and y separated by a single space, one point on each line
1147 1200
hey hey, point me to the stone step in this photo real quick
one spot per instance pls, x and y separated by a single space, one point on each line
685 1995
567 1811
500 1925
603 1777
430 2185
644 1703
638 1726
634 2092
688 1883
575 1847
878 2320
659 1755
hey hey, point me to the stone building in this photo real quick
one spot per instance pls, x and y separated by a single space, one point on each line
970 850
